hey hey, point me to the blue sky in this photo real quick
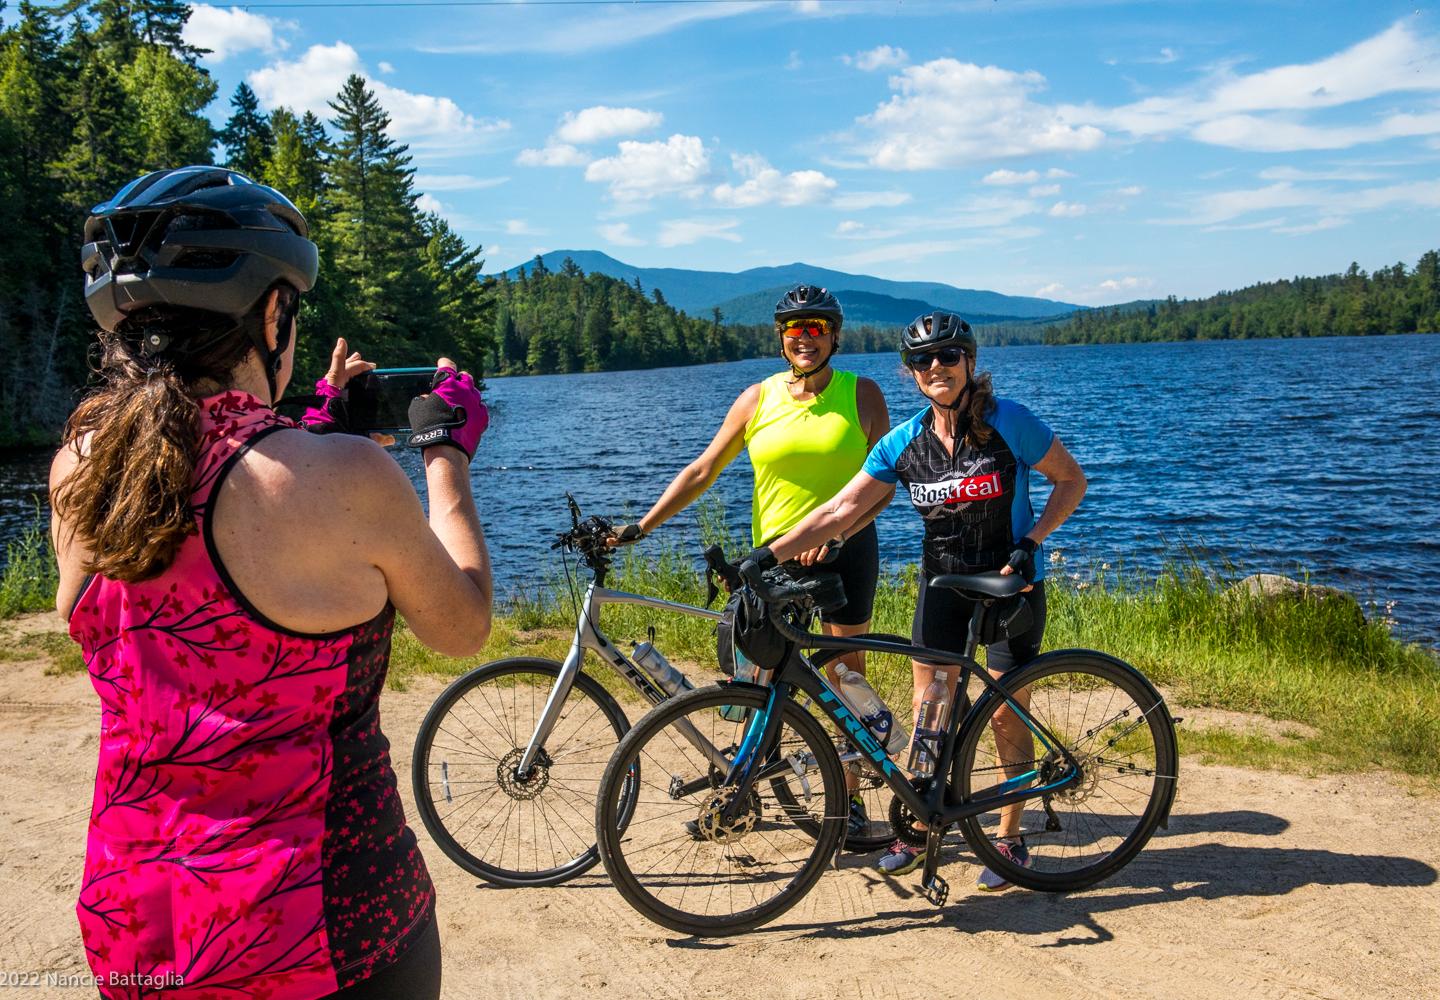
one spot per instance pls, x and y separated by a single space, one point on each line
1092 152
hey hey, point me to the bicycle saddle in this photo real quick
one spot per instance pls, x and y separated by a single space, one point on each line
985 584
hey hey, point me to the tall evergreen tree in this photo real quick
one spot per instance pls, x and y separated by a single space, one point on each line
169 97
247 137
374 221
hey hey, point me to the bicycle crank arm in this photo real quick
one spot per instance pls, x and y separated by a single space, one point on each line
934 888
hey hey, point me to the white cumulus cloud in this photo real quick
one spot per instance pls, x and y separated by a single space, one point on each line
619 234
1066 210
764 184
1044 190
578 128
421 120
880 57
228 31
640 171
552 155
1268 111
429 203
858 201
947 113
1001 178
680 232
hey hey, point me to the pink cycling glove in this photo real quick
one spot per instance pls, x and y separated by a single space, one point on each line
451 413
329 416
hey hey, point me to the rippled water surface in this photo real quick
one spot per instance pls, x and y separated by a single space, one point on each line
1273 454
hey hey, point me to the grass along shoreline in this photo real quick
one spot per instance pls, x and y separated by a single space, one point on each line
1344 693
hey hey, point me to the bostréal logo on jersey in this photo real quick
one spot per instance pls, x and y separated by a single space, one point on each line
955 491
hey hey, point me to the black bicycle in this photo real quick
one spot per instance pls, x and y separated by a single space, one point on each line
1093 775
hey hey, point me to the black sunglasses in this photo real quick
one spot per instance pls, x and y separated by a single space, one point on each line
949 357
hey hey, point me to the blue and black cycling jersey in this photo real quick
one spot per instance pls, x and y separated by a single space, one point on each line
976 502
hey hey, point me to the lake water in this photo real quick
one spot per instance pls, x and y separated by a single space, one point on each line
1273 455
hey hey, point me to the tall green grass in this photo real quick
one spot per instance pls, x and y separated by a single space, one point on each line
30 577
1369 698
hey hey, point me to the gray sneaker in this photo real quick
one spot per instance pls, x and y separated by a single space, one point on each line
1017 852
900 858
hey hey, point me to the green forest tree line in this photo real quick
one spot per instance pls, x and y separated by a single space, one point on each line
1391 300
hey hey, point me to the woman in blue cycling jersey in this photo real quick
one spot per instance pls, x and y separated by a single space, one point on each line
965 460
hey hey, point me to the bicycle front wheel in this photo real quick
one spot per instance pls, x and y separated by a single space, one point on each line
676 859
1115 725
508 830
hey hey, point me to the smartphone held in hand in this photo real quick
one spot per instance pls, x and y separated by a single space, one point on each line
379 401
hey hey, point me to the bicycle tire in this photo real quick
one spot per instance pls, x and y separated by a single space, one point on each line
633 847
1130 767
456 736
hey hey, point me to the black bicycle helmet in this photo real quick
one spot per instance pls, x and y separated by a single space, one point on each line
936 329
196 237
809 300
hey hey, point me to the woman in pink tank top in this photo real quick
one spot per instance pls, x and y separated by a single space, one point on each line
232 581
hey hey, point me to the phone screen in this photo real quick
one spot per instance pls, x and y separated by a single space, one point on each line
380 400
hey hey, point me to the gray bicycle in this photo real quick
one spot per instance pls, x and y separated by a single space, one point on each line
508 760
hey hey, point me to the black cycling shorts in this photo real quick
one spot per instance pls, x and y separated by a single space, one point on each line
415 975
942 621
859 567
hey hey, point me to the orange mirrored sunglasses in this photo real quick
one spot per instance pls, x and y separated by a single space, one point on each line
815 326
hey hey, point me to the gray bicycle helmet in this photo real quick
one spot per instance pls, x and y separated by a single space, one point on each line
936 329
195 237
809 300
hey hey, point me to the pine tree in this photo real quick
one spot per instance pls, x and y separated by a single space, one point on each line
374 220
169 97
247 137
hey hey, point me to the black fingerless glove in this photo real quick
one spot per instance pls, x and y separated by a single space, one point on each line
628 533
1022 559
450 413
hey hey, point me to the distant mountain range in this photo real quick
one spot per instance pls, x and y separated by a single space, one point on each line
749 296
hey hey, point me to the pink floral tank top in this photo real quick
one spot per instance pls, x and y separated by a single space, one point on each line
246 836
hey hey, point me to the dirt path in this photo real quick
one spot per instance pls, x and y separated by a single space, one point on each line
1264 886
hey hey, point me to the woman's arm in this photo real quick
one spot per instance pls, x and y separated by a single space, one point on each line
1060 467
700 475
837 516
71 553
875 418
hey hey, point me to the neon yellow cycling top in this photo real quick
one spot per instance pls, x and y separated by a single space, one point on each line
803 452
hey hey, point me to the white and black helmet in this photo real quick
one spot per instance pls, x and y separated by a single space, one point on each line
196 237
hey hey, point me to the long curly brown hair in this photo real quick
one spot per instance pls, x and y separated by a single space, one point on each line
137 433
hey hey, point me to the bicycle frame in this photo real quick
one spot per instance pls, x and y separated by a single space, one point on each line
799 674
588 636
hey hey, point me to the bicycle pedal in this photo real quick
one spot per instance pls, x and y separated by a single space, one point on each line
935 890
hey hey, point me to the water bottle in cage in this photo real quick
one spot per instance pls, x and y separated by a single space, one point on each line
653 662
930 726
871 709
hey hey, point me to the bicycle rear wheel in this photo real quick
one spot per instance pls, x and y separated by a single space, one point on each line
718 878
1109 717
505 830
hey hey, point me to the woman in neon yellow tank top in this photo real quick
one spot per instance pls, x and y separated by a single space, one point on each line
808 430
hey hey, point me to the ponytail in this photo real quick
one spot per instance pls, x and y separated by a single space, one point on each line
138 435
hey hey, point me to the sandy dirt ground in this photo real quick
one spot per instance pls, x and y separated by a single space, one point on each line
1265 885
